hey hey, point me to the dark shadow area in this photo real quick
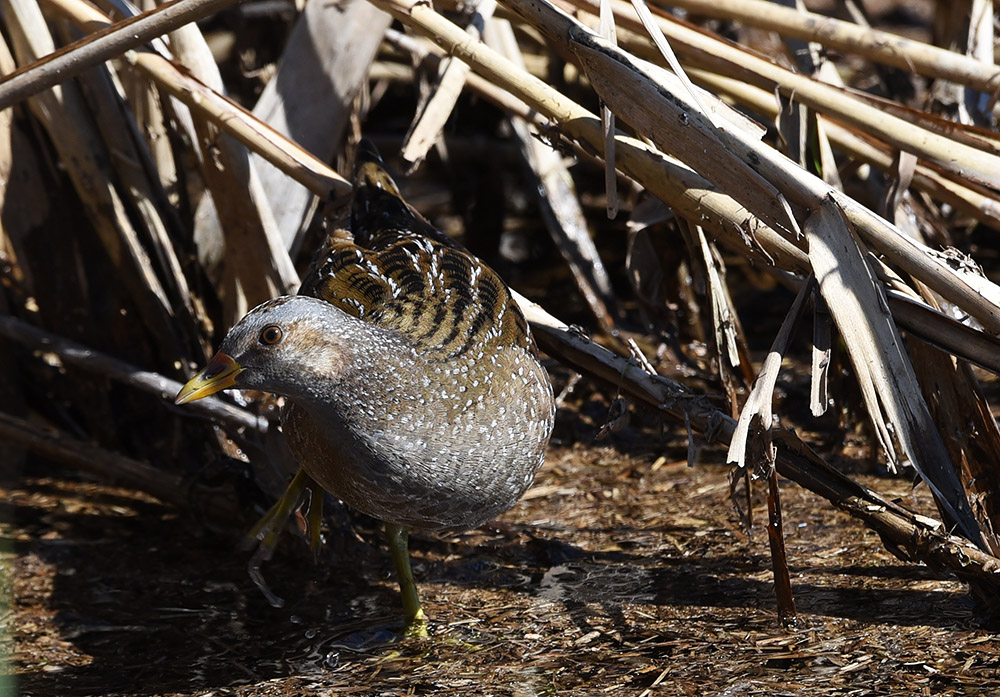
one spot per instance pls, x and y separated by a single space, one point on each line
160 605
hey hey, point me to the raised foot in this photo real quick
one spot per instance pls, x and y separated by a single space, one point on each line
268 529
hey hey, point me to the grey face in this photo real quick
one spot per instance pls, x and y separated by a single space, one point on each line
284 344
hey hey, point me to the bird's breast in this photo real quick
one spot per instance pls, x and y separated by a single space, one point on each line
442 444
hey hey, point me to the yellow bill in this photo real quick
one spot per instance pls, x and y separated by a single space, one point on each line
219 374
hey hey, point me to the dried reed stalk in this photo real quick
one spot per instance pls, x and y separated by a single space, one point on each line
284 154
108 43
310 100
881 46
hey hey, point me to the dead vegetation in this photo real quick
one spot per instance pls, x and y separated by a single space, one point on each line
789 178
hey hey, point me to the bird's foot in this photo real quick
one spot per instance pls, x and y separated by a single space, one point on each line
264 535
268 529
416 626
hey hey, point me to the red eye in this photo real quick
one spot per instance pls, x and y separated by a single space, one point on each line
271 335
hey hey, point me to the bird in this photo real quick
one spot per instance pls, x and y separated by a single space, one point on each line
413 388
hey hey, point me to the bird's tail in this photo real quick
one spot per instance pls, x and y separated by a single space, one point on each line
370 173
379 214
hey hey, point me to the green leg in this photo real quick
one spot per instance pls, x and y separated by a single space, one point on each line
269 528
416 620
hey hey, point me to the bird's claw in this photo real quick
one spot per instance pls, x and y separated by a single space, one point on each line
416 626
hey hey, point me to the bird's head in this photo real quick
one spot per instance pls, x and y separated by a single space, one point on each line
293 346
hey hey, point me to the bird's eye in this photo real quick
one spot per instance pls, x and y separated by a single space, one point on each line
270 335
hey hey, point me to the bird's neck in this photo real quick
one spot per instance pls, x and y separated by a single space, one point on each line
358 364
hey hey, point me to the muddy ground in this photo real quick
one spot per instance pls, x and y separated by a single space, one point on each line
624 572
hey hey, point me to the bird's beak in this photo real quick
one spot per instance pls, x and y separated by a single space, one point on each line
219 374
